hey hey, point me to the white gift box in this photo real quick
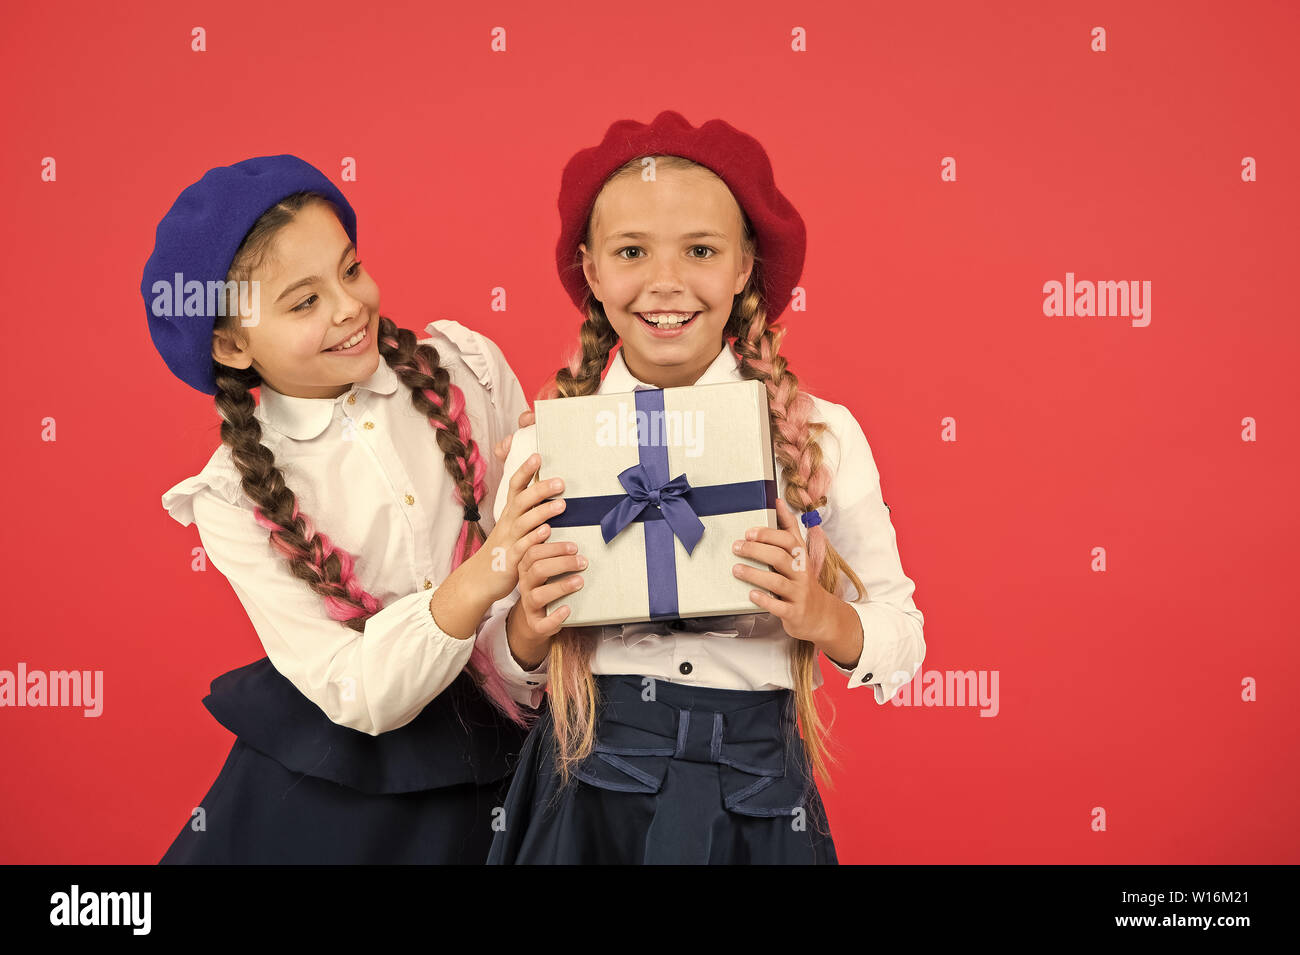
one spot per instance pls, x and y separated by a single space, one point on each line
676 475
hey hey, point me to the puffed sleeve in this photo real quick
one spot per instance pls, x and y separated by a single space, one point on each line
373 681
859 527
485 358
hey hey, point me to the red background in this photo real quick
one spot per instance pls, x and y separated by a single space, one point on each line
1119 690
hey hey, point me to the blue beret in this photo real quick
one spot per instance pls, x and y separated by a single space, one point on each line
198 239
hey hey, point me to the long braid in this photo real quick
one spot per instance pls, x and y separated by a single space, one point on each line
434 395
443 403
312 557
807 481
327 569
573 694
582 374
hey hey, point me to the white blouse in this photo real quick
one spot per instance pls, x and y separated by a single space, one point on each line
368 472
752 651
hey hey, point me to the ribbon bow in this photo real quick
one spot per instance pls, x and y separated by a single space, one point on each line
641 493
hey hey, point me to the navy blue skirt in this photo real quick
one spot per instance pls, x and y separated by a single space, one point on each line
298 788
692 775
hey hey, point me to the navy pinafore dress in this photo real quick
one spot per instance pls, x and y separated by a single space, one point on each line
298 788
679 774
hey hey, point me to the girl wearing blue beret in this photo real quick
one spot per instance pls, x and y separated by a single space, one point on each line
343 508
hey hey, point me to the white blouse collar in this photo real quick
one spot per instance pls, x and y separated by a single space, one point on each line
304 418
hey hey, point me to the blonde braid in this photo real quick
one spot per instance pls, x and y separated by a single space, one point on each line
807 480
573 694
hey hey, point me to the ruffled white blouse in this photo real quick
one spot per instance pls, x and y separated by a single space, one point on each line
368 472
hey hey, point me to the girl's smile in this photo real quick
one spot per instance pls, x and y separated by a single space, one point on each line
667 324
360 342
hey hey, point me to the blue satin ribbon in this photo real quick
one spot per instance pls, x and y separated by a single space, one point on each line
668 508
642 493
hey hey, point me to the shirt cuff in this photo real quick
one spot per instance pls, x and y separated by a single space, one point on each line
526 686
892 649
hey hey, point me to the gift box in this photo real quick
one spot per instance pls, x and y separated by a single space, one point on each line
658 485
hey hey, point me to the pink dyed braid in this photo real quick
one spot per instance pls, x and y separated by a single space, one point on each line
467 544
362 605
791 411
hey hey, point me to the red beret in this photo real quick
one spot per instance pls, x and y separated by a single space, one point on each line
737 158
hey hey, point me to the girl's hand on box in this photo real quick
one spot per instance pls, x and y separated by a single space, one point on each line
806 610
520 526
529 621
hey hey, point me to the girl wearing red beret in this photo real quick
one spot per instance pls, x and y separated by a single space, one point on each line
677 246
